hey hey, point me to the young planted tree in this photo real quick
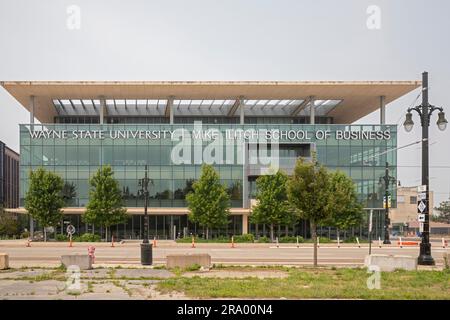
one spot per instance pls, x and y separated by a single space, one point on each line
209 202
347 211
309 193
272 207
444 212
105 206
44 200
69 192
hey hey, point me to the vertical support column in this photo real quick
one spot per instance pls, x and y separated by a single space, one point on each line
312 117
102 121
170 106
31 109
241 109
245 184
32 129
102 109
382 110
244 223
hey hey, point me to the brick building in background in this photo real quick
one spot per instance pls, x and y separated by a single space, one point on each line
406 210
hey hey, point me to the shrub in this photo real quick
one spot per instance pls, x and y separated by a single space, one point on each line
61 237
353 240
25 234
9 226
244 238
87 237
291 239
220 239
264 240
184 240
193 267
324 240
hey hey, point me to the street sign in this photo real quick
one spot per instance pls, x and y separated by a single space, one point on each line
70 229
422 188
421 206
421 227
421 218
421 196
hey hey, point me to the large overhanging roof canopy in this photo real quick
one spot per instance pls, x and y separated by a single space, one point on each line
345 101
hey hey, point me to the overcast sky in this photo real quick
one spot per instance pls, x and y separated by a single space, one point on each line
237 40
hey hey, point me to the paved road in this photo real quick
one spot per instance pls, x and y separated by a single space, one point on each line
243 254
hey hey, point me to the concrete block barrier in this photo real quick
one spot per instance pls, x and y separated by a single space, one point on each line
83 261
187 260
391 263
4 261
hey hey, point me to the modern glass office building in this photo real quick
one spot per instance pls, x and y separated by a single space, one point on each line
242 128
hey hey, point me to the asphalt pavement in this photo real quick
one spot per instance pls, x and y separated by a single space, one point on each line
48 254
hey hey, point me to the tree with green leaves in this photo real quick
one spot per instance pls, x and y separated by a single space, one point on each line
105 206
9 226
44 200
444 212
272 206
69 193
209 202
309 192
347 210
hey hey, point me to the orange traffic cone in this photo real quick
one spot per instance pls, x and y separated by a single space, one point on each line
193 242
154 242
232 242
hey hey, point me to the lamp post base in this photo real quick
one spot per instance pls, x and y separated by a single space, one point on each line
146 254
425 258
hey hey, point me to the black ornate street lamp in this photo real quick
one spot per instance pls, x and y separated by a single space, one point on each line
425 111
146 247
386 180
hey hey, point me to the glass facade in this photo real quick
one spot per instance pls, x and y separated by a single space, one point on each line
75 160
